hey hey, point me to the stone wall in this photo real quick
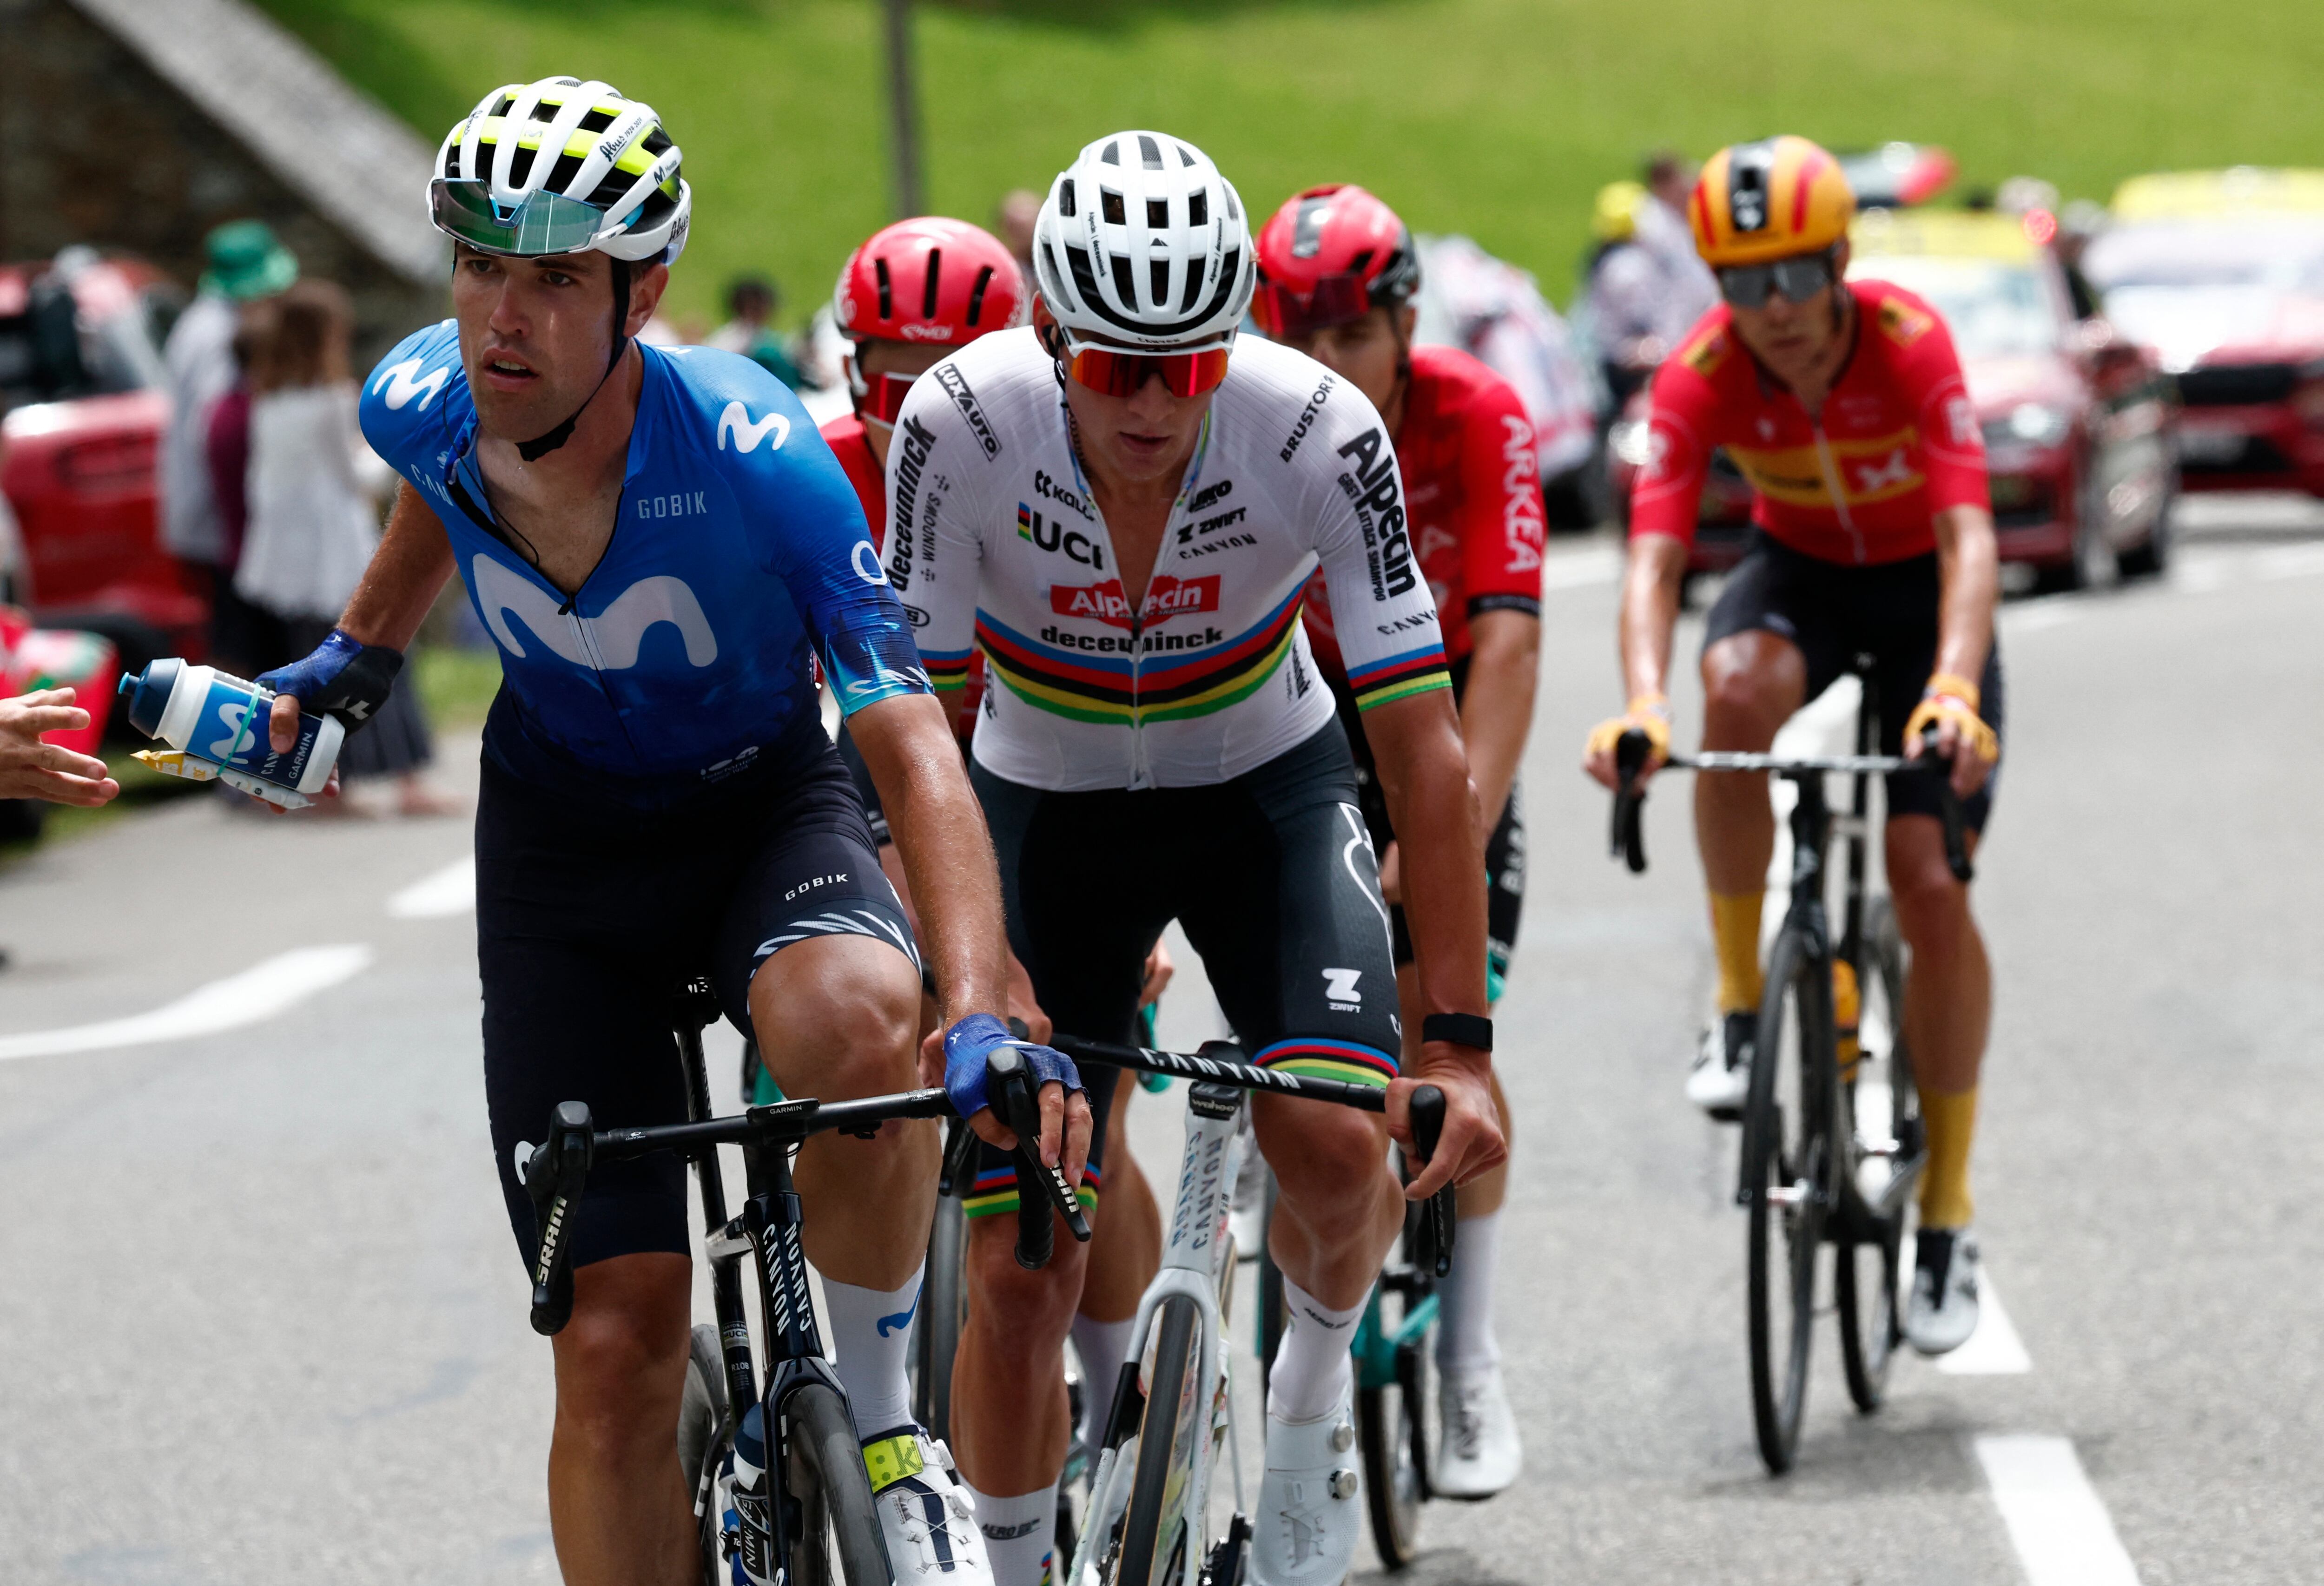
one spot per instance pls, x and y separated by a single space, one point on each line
96 147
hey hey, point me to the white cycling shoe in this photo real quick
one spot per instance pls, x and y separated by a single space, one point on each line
1310 1503
1942 1310
1721 1076
928 1518
1480 1454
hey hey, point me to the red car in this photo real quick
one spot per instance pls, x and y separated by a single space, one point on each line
2222 273
2078 419
82 390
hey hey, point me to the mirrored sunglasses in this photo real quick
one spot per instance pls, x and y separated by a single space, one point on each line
540 224
1124 373
1337 300
1798 278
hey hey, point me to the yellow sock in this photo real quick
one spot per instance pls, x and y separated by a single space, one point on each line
1951 1124
1735 940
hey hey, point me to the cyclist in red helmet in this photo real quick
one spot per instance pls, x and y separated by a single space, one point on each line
1337 274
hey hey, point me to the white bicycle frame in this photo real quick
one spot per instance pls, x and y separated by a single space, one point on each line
1198 1262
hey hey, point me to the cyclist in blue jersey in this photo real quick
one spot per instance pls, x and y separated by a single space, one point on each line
658 539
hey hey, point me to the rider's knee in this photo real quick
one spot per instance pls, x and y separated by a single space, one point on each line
1750 685
857 1037
1931 906
621 1360
1324 1167
1038 1304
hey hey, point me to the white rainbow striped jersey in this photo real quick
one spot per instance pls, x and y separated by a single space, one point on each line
994 541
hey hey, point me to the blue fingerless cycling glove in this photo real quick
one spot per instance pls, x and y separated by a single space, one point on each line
975 1038
342 677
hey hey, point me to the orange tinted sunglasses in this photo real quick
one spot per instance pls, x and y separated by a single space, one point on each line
1124 373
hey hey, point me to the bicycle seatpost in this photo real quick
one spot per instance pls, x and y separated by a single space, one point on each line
1039 1188
554 1175
1628 838
1949 809
1436 1221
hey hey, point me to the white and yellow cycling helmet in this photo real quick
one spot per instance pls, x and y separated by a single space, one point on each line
562 166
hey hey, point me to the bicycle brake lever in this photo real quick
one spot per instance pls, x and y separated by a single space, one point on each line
1628 837
1427 1129
1015 1103
959 1150
554 1175
1949 810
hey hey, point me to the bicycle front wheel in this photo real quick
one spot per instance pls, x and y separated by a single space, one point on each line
1163 1506
1883 1107
944 1312
1787 1147
839 1541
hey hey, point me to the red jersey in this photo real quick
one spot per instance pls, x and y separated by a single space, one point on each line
1472 500
1896 443
844 436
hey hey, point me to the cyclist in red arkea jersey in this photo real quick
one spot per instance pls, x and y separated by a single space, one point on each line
1337 273
1842 403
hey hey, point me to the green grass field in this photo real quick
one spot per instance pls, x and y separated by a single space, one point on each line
1496 117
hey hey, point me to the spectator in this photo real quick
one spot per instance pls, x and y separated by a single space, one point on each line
30 768
314 488
244 638
1013 218
245 264
752 303
1646 285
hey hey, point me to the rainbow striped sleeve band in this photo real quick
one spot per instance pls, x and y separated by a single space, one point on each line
1320 1057
1415 671
948 668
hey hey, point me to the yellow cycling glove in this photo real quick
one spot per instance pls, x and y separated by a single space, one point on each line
1952 700
1649 714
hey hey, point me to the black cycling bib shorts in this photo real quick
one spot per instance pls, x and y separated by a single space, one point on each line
588 918
1834 612
1271 873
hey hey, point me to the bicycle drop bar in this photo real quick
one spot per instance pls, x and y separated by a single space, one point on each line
1427 1102
558 1168
1628 839
1015 1103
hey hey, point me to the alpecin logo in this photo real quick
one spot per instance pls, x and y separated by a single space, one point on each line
1378 503
1165 597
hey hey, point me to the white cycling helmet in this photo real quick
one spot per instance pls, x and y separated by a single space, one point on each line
1142 243
562 166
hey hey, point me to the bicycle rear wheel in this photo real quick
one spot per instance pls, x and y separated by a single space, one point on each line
1392 1430
703 1440
1162 1507
1787 1148
944 1312
1884 1108
840 1543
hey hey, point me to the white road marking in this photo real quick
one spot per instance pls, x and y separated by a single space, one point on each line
254 995
1994 1350
2056 1521
448 892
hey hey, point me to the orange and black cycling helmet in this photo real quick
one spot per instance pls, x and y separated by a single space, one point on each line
1768 200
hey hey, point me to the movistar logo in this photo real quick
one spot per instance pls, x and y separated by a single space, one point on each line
405 382
747 432
606 642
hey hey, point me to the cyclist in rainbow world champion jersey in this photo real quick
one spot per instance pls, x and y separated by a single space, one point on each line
1843 403
656 540
1337 273
1123 506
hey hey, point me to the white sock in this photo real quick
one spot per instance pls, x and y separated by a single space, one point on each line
1102 1346
872 1343
1017 1536
1312 1366
1465 1298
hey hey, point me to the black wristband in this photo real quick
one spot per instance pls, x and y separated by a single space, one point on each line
1462 1030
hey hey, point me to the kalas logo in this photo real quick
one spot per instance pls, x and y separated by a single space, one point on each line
1165 597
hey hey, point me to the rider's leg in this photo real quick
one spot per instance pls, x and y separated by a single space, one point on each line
1752 682
837 1016
1122 1260
1337 1211
617 1507
1948 1008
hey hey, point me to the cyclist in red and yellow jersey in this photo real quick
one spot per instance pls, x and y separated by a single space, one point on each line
1337 275
1842 403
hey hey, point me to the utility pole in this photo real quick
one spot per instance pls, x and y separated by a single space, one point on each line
903 109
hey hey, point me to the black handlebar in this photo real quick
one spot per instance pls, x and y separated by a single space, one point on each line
1016 1103
1435 1252
1628 838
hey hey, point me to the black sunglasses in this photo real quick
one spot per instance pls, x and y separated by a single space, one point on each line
1798 278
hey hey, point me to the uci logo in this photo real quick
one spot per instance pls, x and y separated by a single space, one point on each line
1049 534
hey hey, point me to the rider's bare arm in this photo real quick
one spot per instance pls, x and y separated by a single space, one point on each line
407 573
907 744
1504 663
1651 580
1424 770
1969 581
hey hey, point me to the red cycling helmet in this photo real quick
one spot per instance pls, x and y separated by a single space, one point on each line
926 280
1330 255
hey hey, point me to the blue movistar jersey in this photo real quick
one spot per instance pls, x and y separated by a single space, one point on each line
682 660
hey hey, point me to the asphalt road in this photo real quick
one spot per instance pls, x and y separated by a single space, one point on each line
260 1319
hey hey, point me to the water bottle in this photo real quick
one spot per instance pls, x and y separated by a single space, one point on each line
754 1555
217 723
1847 1012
